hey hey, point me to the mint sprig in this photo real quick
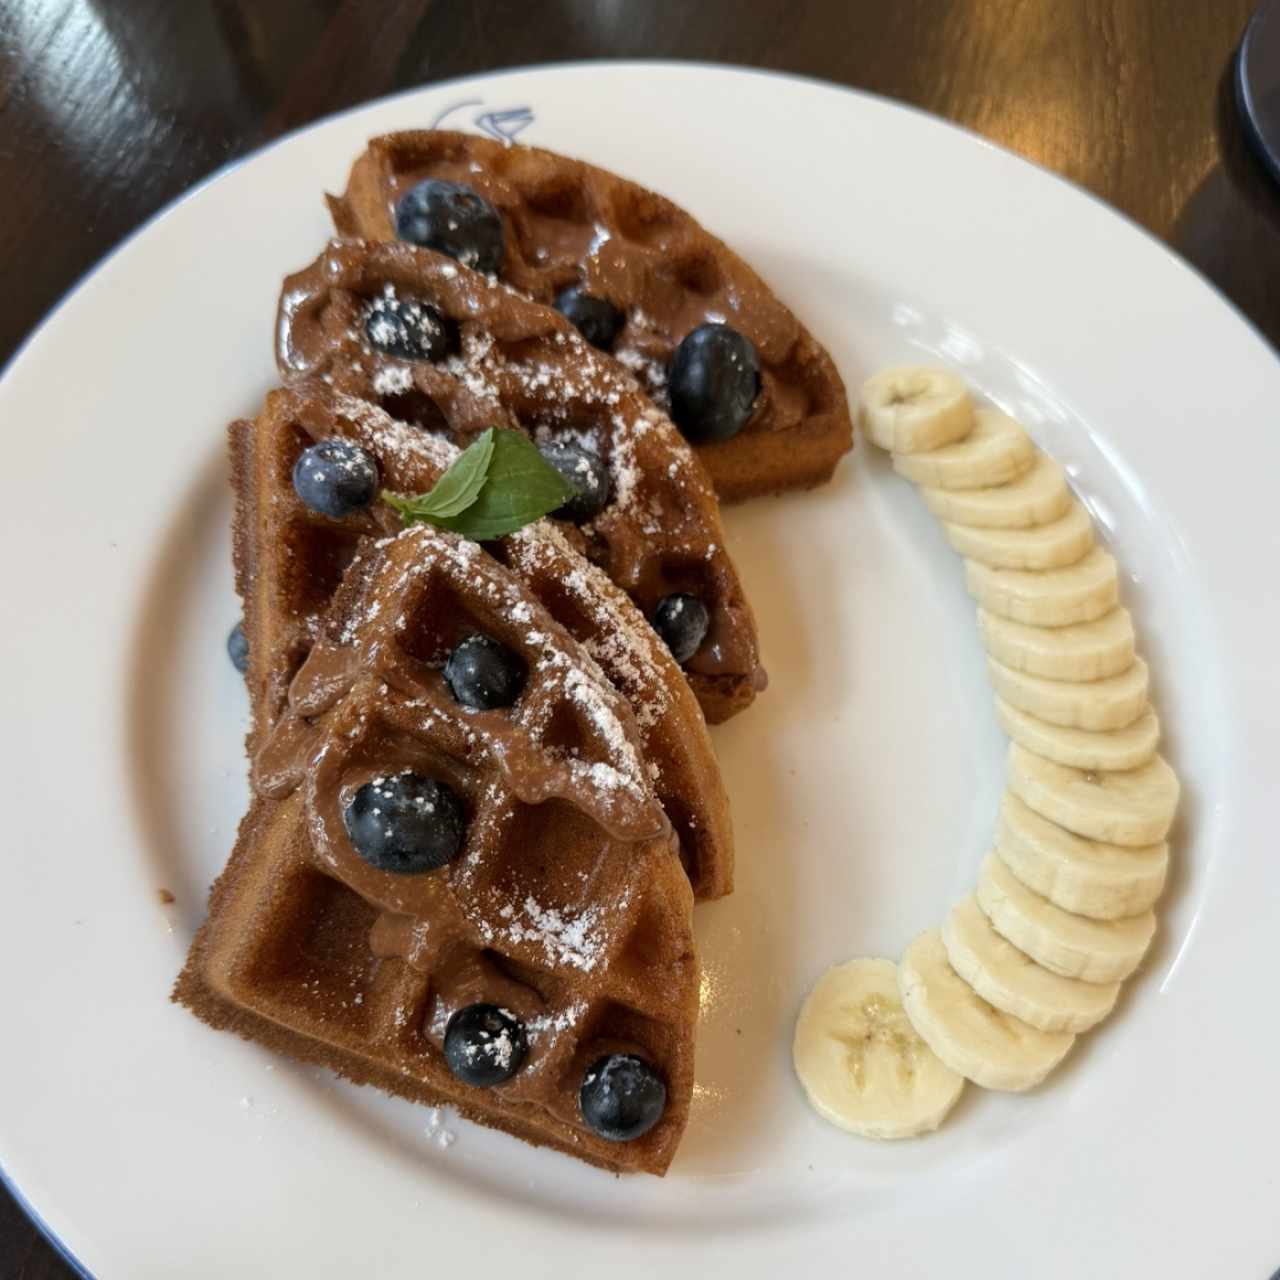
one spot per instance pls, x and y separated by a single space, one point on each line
498 484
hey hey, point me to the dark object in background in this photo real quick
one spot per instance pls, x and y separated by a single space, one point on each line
1257 80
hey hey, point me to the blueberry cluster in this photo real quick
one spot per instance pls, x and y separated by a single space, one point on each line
714 374
622 1097
713 377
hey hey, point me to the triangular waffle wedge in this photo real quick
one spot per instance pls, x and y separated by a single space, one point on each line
290 560
562 909
567 223
511 362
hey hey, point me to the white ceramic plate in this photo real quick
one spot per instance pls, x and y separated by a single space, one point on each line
864 783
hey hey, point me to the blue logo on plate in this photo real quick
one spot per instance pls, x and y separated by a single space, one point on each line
502 124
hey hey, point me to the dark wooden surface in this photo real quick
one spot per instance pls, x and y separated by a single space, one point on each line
110 108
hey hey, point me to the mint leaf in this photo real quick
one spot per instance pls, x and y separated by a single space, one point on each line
458 488
522 486
517 487
455 491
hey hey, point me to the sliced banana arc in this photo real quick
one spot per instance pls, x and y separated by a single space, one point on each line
995 451
1089 877
1062 912
991 1048
1106 751
1078 593
1010 980
1099 705
1039 496
863 1065
910 409
1132 808
1085 651
1067 944
1048 546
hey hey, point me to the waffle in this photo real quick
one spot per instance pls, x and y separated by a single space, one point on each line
566 905
569 223
517 364
290 561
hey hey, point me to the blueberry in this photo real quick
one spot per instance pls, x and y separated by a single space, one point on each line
682 621
485 1045
586 471
452 219
597 319
335 477
406 824
238 648
483 674
622 1097
407 327
713 379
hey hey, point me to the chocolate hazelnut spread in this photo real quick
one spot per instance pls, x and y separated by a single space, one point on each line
290 560
523 366
566 906
569 223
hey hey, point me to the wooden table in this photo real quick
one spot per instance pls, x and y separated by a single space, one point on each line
111 108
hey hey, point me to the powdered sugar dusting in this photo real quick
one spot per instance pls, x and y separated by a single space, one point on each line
391 379
473 367
607 762
622 642
564 389
436 1130
397 444
555 1023
588 691
496 1048
565 938
651 373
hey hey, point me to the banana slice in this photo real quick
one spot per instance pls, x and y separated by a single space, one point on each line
1071 945
1085 651
1133 808
1038 496
1058 598
989 1047
1104 881
1048 546
909 410
1108 751
1113 703
996 451
1011 981
862 1064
